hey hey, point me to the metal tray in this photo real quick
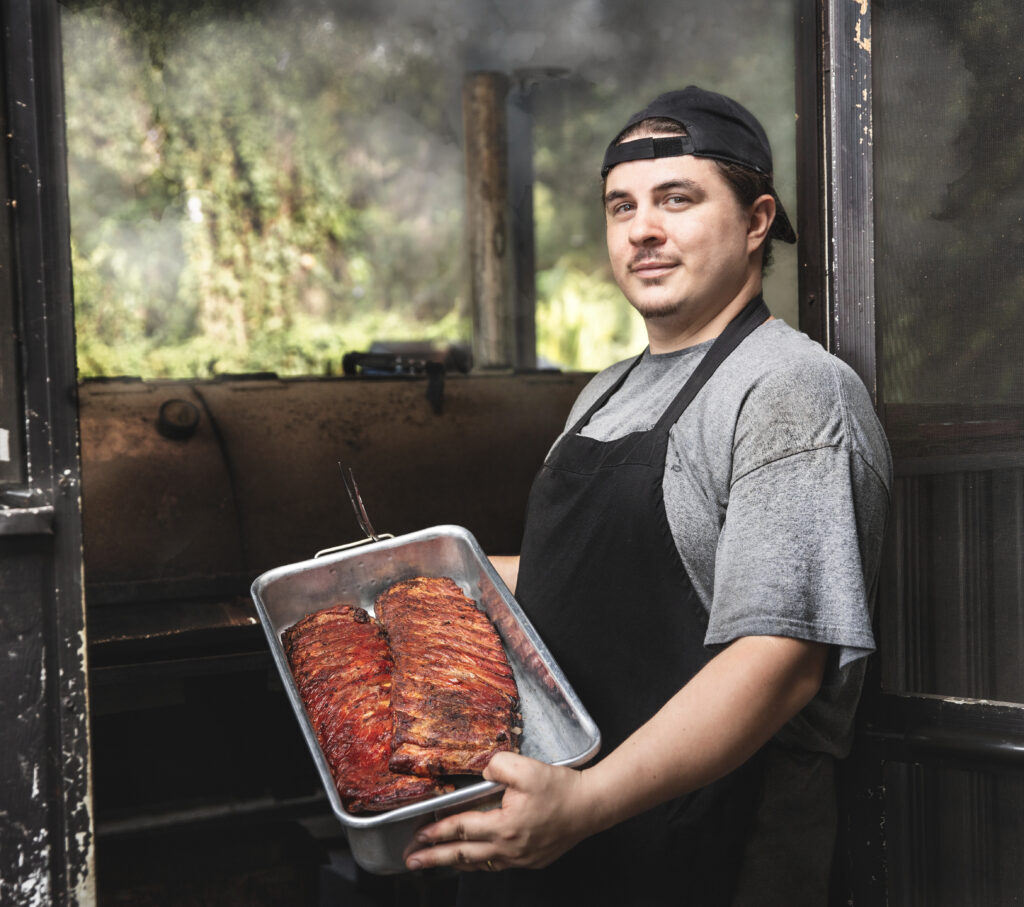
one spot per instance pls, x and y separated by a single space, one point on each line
556 727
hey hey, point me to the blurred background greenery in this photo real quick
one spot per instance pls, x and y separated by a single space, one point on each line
266 186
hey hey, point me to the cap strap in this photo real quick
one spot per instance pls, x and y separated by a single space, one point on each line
646 149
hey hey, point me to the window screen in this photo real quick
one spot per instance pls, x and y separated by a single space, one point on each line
949 191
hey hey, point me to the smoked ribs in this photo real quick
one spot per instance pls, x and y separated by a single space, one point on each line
454 699
343 666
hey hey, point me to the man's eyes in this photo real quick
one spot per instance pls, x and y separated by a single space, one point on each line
618 209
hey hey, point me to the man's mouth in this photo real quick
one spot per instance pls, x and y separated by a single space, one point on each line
651 268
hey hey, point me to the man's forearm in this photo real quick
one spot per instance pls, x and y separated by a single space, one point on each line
507 566
710 727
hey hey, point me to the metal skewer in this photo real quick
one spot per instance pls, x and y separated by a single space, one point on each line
362 518
357 502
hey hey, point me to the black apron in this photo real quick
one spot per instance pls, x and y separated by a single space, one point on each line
603 583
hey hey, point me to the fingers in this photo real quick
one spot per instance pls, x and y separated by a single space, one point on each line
463 841
467 826
534 825
470 856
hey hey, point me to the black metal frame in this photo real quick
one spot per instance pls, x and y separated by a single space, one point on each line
12 446
810 181
46 835
849 239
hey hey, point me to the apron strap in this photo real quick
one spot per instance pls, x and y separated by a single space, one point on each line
604 398
754 314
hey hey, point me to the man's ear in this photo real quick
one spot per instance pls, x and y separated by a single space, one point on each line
762 215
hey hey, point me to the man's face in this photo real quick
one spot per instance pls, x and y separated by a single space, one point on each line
677 239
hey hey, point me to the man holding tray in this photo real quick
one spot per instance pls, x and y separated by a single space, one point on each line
700 553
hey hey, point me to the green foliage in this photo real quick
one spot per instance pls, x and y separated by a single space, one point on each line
228 217
582 319
266 185
307 347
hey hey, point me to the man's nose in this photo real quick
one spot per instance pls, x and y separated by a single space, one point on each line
647 226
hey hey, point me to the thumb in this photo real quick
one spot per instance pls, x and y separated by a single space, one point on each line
504 768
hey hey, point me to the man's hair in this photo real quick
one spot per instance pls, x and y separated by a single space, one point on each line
747 185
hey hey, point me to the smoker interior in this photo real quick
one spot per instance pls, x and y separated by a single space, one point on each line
190 491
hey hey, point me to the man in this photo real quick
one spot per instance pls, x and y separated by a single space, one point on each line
700 552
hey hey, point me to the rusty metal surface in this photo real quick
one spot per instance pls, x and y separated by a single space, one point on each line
471 466
155 508
257 485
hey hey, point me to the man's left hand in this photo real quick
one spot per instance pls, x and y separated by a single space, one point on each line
542 815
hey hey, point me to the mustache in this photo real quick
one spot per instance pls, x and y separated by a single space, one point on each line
649 256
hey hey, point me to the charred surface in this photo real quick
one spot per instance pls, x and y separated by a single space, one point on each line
454 695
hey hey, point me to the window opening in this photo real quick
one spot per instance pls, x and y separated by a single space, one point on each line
268 188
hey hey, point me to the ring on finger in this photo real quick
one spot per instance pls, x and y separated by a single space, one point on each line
490 867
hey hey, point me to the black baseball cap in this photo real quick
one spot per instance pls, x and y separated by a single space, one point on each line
716 127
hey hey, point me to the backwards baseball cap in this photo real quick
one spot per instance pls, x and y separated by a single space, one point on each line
716 127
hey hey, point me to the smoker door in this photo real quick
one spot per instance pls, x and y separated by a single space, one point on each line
939 791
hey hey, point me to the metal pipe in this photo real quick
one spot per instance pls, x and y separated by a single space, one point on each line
987 748
487 224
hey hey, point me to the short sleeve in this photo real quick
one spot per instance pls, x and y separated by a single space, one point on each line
790 559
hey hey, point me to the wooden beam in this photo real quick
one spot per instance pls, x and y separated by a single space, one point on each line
488 236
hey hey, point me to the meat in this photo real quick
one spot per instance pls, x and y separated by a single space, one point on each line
396 703
343 668
454 698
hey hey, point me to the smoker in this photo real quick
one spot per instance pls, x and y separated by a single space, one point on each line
192 490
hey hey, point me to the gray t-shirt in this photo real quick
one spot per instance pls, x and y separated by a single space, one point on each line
776 486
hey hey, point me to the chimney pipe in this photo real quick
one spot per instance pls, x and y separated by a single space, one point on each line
488 233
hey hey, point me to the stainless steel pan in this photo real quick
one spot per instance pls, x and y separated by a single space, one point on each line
556 726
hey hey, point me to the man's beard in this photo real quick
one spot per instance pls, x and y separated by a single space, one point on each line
652 311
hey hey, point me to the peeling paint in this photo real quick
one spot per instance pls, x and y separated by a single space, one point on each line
863 43
33 887
82 881
35 890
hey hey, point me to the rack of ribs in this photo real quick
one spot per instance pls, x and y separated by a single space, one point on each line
343 666
454 698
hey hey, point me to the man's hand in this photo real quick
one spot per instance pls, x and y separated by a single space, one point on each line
543 814
737 701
